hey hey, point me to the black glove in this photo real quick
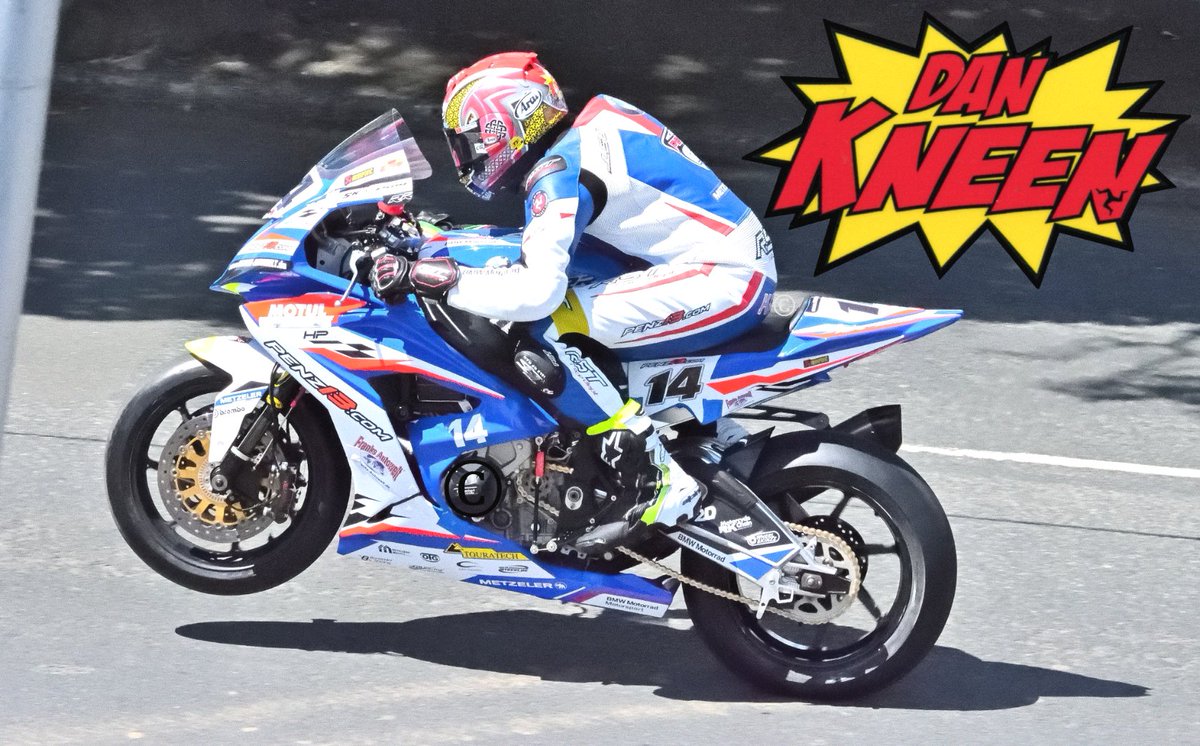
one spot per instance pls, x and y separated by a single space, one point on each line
389 277
433 278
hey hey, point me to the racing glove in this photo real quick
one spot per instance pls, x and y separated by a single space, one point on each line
433 278
388 277
392 276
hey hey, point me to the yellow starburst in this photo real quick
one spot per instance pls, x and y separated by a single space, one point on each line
1075 91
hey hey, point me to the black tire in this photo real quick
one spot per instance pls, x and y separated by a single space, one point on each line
132 495
902 499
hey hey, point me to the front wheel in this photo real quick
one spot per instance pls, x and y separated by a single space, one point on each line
840 646
172 518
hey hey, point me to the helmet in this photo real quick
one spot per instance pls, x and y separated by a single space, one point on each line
494 111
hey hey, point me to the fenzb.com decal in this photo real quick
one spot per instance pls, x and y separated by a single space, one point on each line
674 318
338 398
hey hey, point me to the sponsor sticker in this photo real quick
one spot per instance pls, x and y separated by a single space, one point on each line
527 103
557 585
763 538
734 524
483 553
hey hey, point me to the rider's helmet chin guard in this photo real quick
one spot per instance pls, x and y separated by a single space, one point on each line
494 113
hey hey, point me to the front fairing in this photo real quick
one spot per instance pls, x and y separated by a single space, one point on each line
379 162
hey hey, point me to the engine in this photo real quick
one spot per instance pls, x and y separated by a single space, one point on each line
499 487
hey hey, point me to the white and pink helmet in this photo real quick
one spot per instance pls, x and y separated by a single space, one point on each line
493 112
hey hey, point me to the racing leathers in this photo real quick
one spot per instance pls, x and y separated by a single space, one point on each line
693 268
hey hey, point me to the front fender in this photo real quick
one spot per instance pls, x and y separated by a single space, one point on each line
238 357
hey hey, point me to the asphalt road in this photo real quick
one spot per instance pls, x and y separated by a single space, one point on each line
1075 618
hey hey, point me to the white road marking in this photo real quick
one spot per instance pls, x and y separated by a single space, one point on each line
1067 461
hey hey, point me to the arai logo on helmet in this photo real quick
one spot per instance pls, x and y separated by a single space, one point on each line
526 103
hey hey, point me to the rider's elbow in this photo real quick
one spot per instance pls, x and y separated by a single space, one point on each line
539 302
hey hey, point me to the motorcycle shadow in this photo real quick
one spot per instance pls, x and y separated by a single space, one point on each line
613 649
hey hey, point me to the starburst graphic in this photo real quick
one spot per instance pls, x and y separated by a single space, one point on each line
949 139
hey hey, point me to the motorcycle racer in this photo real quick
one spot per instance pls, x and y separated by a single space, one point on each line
697 267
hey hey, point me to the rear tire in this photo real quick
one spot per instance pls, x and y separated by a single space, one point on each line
900 498
133 497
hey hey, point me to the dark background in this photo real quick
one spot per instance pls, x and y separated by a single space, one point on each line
174 124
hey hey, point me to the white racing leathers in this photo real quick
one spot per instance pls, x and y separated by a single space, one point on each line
621 196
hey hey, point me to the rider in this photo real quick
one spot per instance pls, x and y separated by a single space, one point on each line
698 266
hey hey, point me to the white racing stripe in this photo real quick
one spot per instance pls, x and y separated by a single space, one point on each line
1072 463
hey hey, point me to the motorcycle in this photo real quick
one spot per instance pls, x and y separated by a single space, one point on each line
820 564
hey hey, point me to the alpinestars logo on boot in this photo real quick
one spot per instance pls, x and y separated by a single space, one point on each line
949 139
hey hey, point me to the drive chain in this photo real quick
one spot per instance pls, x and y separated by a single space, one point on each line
808 618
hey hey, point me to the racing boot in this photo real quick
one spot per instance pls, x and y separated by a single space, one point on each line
676 495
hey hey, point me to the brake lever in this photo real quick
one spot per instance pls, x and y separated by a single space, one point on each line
357 262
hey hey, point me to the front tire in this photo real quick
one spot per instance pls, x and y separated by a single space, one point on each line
136 498
925 581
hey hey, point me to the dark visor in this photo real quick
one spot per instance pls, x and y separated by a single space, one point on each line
466 147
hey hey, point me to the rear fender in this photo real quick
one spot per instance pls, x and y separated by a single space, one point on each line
249 371
756 463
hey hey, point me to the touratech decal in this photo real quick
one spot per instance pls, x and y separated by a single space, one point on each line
483 553
949 139
339 399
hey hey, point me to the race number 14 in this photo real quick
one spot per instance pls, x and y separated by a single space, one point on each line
475 431
685 385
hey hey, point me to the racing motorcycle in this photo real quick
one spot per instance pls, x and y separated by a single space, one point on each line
820 563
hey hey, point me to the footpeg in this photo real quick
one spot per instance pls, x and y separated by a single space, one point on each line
770 591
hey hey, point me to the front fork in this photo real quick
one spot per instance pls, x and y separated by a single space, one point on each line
236 466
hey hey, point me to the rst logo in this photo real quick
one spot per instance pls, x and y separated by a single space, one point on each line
335 396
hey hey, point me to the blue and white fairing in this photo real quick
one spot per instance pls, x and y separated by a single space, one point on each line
336 348
338 340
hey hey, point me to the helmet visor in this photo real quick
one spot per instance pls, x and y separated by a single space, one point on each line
466 147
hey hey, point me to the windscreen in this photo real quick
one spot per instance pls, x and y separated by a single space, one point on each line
384 135
386 142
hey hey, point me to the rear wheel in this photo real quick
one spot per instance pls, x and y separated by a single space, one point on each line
840 646
222 543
